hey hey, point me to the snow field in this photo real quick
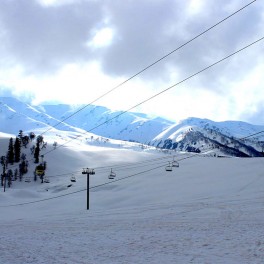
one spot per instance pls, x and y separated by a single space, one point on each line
209 210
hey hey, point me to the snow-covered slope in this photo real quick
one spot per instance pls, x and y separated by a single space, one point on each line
128 126
208 210
236 129
16 115
229 137
102 121
192 134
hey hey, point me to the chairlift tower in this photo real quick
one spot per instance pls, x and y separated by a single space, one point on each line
88 172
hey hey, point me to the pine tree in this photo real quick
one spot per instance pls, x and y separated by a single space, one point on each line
23 156
23 166
9 177
3 163
36 154
40 139
35 176
20 134
2 179
17 150
25 141
20 172
10 153
15 174
32 135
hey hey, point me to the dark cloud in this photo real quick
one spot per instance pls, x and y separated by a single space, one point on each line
43 38
149 30
143 29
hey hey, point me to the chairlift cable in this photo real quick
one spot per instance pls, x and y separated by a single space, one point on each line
103 184
152 64
148 99
96 186
161 92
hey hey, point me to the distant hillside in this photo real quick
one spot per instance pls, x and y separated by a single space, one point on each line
16 115
192 134
196 135
127 126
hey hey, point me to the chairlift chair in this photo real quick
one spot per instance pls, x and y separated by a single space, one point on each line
40 170
73 179
168 167
175 163
111 175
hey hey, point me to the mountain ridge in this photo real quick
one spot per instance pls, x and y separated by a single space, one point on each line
191 134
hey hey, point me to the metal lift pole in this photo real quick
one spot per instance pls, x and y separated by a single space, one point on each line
88 187
88 171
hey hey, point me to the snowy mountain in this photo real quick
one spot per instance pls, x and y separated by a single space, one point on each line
16 115
192 134
228 138
102 121
206 210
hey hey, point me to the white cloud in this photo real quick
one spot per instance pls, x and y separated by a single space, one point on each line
196 6
48 3
102 38
75 51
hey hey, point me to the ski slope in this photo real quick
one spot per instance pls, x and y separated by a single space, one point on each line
209 210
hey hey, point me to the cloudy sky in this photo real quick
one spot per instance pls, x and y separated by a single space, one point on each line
74 51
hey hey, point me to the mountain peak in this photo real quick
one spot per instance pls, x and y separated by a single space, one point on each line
189 133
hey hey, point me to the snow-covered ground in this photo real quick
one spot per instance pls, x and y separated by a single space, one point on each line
209 210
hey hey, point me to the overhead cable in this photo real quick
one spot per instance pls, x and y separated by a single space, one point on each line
151 65
163 91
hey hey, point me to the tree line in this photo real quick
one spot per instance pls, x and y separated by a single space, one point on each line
15 154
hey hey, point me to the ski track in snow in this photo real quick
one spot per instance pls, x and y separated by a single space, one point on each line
207 211
200 232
